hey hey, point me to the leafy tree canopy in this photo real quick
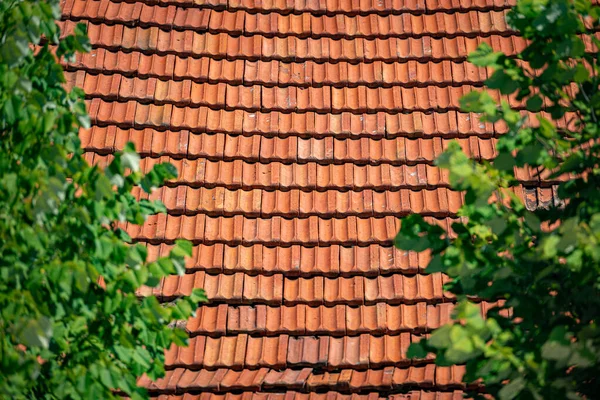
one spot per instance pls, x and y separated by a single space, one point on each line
544 263
71 325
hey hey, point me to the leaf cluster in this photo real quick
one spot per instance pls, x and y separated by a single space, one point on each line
72 322
542 265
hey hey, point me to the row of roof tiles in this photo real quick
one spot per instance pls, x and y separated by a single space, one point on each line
296 260
380 318
199 120
292 395
325 99
377 227
241 22
240 288
332 260
339 6
284 351
278 73
309 176
277 230
289 149
275 175
291 48
310 124
221 201
386 379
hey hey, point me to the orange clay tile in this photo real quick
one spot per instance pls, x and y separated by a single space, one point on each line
448 123
222 380
301 131
336 26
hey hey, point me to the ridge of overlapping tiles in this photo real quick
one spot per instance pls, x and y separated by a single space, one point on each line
274 231
297 260
290 149
332 7
302 25
277 73
301 130
290 48
239 174
330 395
305 319
321 352
220 201
345 124
277 289
381 380
284 99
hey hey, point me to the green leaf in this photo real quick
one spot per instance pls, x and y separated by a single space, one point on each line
418 235
467 310
130 159
505 162
502 81
484 56
534 103
416 350
512 389
179 265
532 221
480 102
581 73
198 296
498 225
106 378
186 246
435 265
137 254
36 333
549 246
440 338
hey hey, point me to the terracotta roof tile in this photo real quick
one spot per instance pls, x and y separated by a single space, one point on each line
301 130
240 288
331 395
236 352
276 230
222 380
299 260
268 124
239 174
285 99
364 7
286 25
222 45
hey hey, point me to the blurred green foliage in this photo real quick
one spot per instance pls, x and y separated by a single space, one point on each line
545 263
71 325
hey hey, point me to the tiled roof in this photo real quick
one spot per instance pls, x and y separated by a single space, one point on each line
301 130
